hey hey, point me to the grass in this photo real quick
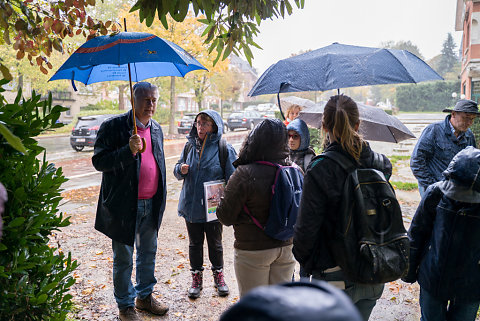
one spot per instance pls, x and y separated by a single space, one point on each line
404 186
395 158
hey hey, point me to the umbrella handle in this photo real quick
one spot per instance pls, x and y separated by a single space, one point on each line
144 146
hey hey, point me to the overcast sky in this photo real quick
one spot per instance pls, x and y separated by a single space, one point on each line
357 22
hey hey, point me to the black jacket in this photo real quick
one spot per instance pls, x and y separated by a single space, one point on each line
117 203
322 193
445 247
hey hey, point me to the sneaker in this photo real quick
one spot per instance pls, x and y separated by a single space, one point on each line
151 305
197 285
220 284
128 314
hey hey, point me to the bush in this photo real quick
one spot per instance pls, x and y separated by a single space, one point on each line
431 96
162 115
35 274
103 104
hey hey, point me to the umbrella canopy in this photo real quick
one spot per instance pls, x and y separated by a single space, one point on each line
106 58
341 66
375 123
294 100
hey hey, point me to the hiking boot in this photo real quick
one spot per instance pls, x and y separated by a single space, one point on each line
151 305
128 314
220 284
197 285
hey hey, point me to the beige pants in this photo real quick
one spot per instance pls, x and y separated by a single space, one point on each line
264 267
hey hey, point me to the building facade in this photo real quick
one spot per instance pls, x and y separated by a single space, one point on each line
468 20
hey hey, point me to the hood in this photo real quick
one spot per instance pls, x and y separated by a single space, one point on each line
300 301
464 168
216 118
462 176
266 142
301 128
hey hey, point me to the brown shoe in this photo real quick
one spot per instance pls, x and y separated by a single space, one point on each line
128 314
151 305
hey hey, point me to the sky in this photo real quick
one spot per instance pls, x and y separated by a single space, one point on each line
425 23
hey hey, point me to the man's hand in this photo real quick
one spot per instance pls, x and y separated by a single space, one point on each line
135 144
184 169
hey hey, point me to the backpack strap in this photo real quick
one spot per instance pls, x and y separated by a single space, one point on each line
186 150
245 208
347 164
306 160
223 154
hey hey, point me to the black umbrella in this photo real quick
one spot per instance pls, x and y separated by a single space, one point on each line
375 123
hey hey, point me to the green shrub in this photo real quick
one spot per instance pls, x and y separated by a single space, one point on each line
35 274
316 139
162 115
103 104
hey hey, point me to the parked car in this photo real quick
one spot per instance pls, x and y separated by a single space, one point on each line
185 124
268 114
244 119
84 133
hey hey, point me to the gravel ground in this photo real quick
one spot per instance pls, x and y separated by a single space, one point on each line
93 291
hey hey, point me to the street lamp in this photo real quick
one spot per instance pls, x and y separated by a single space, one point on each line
454 97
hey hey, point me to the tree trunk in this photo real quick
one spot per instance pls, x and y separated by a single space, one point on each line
20 81
121 97
171 124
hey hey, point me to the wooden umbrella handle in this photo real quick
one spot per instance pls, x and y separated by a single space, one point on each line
144 143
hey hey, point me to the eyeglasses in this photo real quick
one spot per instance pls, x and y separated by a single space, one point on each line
294 136
201 124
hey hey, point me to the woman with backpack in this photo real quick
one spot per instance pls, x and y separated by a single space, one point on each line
322 197
199 163
258 259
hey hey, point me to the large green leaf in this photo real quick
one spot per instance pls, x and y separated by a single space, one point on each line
12 139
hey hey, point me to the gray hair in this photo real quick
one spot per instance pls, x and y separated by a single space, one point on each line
140 88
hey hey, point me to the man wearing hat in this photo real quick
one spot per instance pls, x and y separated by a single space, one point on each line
441 141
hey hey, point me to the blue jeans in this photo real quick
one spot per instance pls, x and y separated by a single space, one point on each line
434 309
146 245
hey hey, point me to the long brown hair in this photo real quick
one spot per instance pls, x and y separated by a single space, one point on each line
339 119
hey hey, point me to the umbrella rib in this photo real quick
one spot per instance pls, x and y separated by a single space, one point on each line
393 135
408 73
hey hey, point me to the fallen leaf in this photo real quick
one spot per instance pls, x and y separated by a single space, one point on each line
88 291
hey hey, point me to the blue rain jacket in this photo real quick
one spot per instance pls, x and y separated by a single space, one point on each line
435 149
445 233
191 204
298 156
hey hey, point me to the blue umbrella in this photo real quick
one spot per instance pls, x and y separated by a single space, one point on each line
341 66
106 58
126 56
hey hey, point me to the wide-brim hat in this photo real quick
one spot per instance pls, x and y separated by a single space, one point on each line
464 105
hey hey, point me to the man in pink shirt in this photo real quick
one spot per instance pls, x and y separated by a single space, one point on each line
132 200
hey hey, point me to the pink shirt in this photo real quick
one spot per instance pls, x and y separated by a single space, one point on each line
149 172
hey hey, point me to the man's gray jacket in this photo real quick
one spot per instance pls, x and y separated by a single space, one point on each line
435 149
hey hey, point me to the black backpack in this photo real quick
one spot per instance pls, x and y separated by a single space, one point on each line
284 202
222 152
369 241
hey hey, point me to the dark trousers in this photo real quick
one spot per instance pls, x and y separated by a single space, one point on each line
196 235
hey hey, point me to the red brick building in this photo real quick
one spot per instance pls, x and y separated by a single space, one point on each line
468 20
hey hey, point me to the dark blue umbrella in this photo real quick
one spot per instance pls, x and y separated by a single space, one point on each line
341 66
106 58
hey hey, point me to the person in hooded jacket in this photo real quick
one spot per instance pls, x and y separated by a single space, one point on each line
321 197
258 258
445 242
199 165
299 144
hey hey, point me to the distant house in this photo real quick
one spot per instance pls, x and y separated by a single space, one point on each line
249 78
69 98
467 20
